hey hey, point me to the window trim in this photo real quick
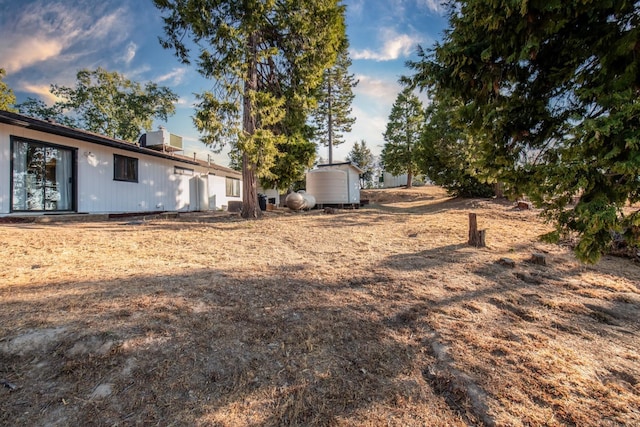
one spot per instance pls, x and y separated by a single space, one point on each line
235 187
13 139
127 159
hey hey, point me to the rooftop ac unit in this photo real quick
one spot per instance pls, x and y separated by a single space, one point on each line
162 140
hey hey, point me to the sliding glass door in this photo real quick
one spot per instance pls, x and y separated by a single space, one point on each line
42 177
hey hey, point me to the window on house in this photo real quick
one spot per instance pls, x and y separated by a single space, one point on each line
42 176
125 168
233 187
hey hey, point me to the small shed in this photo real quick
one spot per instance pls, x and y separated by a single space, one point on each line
391 181
335 184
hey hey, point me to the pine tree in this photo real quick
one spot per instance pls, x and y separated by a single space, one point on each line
446 153
362 156
266 58
550 92
332 116
401 150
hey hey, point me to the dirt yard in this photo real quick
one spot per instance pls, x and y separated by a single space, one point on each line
369 317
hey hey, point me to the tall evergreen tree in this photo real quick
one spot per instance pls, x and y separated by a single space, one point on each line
362 156
294 157
401 150
551 93
266 59
7 97
107 103
332 116
447 155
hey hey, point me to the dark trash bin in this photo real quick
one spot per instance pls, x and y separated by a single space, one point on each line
262 201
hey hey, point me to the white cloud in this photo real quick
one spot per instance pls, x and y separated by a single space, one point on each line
42 91
355 7
369 127
371 108
103 28
382 90
44 30
130 53
393 47
175 75
137 73
29 51
437 6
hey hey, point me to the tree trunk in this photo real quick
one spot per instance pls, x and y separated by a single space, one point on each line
498 189
250 207
409 178
330 124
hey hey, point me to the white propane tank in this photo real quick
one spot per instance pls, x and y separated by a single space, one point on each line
300 200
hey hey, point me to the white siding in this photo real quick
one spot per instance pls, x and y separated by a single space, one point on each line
328 186
271 193
391 181
5 169
217 190
354 185
333 187
158 187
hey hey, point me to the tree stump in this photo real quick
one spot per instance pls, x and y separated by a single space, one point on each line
523 206
476 237
538 259
507 262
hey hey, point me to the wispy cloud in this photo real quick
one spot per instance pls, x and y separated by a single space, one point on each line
41 90
130 53
355 7
382 90
28 52
393 46
44 30
369 127
175 76
437 6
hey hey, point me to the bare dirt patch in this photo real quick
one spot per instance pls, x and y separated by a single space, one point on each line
376 316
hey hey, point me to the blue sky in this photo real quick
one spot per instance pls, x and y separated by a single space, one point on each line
48 41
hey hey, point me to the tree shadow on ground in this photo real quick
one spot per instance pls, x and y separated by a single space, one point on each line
430 207
532 305
277 347
203 348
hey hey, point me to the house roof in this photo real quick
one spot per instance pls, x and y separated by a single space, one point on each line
219 170
94 138
353 165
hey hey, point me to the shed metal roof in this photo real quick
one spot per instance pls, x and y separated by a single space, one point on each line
352 164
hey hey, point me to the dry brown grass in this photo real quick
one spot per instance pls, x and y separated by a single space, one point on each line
377 316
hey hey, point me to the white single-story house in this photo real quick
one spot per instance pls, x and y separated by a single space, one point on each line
335 184
47 168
